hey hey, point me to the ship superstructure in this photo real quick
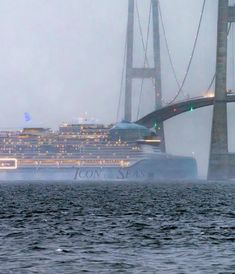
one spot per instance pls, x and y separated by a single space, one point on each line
81 150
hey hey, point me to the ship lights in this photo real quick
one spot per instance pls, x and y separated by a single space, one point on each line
8 163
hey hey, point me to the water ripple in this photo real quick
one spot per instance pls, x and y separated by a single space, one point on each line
113 228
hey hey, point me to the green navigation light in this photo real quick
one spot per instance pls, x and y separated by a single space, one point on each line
191 109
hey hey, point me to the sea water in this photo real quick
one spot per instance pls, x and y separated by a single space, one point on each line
177 227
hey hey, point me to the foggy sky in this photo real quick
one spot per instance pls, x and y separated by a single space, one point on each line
61 59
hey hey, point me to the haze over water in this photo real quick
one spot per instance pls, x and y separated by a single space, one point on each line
117 227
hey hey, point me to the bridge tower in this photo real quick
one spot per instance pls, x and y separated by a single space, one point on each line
221 162
142 73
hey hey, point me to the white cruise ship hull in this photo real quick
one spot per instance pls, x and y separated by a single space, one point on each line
161 167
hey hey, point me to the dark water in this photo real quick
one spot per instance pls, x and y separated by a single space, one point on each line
117 228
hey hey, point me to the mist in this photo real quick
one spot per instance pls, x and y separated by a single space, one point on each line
61 60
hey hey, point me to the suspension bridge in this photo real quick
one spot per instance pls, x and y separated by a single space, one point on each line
167 112
221 162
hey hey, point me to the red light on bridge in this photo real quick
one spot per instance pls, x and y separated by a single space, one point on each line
174 110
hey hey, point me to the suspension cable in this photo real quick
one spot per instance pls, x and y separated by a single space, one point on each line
192 55
167 48
211 83
122 79
141 31
145 48
213 78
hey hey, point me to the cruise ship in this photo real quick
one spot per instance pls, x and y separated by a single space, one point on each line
90 152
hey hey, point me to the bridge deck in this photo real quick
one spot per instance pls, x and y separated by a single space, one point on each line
170 111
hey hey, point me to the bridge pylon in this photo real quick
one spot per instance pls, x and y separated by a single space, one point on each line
144 72
221 162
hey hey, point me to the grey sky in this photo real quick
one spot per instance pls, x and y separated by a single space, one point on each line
62 58
59 59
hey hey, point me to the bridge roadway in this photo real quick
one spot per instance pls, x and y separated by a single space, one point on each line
170 111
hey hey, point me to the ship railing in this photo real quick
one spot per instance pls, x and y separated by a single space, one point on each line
74 163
